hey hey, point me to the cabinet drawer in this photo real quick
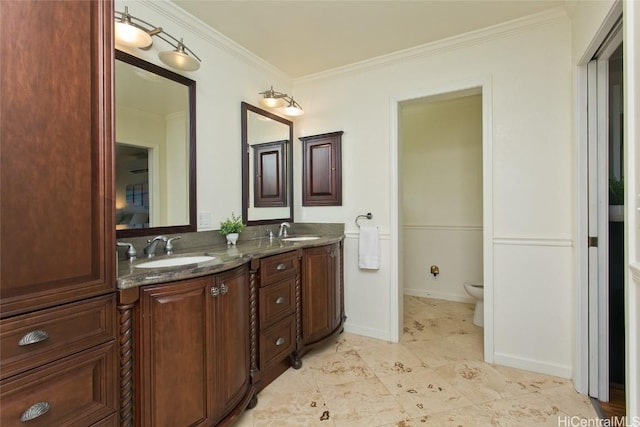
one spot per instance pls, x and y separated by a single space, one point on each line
51 334
278 341
79 390
277 267
276 301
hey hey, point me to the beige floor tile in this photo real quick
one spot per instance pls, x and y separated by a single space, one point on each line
435 376
442 351
570 401
477 381
292 380
338 368
526 381
363 403
294 408
423 392
415 330
526 410
469 416
385 358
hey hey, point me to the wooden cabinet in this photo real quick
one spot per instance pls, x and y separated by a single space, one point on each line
56 143
322 304
59 365
58 353
279 286
193 350
322 169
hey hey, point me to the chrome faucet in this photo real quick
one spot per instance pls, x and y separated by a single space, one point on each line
150 249
131 251
282 232
168 247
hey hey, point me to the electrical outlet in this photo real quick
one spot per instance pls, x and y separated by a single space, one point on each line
204 219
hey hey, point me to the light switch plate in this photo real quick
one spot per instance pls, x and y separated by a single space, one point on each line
204 219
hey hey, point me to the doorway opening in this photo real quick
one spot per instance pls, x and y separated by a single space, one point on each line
449 195
441 180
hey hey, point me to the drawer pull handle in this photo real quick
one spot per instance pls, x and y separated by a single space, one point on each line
215 291
280 300
33 337
34 411
280 341
224 289
281 267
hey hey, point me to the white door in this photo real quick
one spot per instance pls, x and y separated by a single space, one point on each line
598 216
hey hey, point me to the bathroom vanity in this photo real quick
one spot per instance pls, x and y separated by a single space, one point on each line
200 340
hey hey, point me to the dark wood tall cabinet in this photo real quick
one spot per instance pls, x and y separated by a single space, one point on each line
57 302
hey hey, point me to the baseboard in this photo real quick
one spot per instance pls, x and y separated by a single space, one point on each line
439 295
562 371
367 332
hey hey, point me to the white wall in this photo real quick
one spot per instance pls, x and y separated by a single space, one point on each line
529 68
441 181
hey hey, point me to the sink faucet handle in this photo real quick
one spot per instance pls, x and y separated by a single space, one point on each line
283 229
131 251
168 247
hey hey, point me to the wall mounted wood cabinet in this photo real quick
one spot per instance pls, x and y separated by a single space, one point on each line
58 356
322 169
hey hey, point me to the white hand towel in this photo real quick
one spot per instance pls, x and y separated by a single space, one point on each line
369 248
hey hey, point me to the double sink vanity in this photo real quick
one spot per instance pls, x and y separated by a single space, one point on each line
204 329
187 338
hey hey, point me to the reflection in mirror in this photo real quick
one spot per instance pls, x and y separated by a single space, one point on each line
155 149
267 189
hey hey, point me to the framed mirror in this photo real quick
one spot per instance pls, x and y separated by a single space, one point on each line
267 176
155 153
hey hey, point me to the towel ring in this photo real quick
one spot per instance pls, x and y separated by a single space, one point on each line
367 216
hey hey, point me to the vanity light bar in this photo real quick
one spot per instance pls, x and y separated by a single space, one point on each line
134 32
273 99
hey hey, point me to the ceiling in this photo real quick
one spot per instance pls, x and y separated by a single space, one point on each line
303 37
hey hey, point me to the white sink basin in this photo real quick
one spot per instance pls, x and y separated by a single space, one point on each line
300 238
175 261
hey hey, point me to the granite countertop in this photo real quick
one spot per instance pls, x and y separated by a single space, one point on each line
225 258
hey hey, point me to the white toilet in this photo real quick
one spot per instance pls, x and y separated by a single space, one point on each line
476 290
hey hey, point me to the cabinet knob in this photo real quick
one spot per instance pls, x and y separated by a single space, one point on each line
224 289
215 291
280 300
33 337
281 267
34 411
280 341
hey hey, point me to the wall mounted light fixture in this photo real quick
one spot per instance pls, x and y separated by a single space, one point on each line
272 99
134 32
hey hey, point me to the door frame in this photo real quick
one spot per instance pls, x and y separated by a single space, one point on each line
484 83
582 362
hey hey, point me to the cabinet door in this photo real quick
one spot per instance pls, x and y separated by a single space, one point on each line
56 227
320 293
322 170
176 369
231 328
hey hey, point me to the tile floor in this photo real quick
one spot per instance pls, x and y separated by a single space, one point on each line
434 377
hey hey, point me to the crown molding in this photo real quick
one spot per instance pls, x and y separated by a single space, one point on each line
183 19
505 29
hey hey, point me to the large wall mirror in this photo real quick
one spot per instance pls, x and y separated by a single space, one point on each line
155 183
267 177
